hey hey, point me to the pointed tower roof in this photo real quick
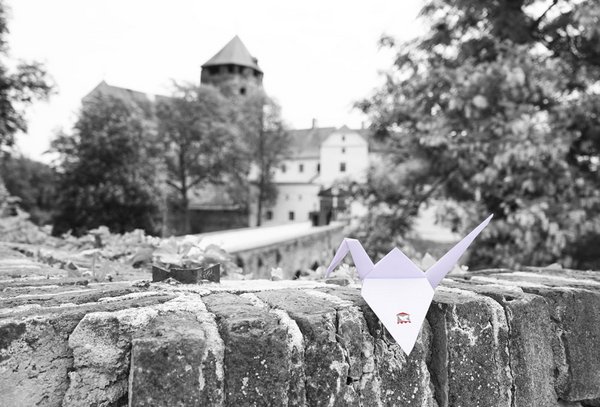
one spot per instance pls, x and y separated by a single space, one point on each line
235 52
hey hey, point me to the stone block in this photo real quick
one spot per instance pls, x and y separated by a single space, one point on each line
174 363
575 314
469 361
257 360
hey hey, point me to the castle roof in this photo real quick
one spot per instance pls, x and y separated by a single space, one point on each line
306 143
131 95
236 53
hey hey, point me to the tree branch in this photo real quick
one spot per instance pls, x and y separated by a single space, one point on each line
172 184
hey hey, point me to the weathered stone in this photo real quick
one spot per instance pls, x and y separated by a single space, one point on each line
173 363
325 359
257 359
295 343
493 339
35 357
530 343
396 379
469 350
101 343
575 313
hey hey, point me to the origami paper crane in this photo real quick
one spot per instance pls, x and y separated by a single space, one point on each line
398 291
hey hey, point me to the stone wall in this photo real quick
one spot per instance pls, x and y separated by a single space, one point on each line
491 338
293 255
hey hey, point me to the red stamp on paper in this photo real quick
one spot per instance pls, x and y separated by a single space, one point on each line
403 318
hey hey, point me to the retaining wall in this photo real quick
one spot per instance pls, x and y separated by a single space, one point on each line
491 338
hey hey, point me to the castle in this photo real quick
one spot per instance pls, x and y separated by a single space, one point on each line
306 180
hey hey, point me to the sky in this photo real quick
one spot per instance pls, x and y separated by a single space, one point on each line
318 57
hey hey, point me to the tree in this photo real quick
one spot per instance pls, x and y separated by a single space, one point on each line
18 89
496 110
34 183
108 170
267 143
201 142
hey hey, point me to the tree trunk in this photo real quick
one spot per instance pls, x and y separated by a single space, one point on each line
260 203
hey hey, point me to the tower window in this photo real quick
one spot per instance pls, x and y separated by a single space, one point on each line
213 70
301 168
291 215
231 68
242 91
342 167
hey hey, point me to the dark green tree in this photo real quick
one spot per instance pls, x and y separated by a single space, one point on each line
108 170
495 110
19 88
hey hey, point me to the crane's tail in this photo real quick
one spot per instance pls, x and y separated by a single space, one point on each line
438 271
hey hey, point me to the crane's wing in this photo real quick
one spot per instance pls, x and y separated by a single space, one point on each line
361 259
438 271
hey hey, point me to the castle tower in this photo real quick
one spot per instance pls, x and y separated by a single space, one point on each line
232 66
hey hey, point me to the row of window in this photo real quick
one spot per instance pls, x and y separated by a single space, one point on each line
301 168
232 69
269 215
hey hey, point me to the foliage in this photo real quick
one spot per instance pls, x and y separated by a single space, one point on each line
200 140
34 183
108 170
266 142
19 88
496 111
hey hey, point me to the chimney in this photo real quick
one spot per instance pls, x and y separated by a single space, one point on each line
314 123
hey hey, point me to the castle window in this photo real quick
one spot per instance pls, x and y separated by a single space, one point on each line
269 215
283 168
342 167
291 215
343 150
301 168
242 91
343 138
